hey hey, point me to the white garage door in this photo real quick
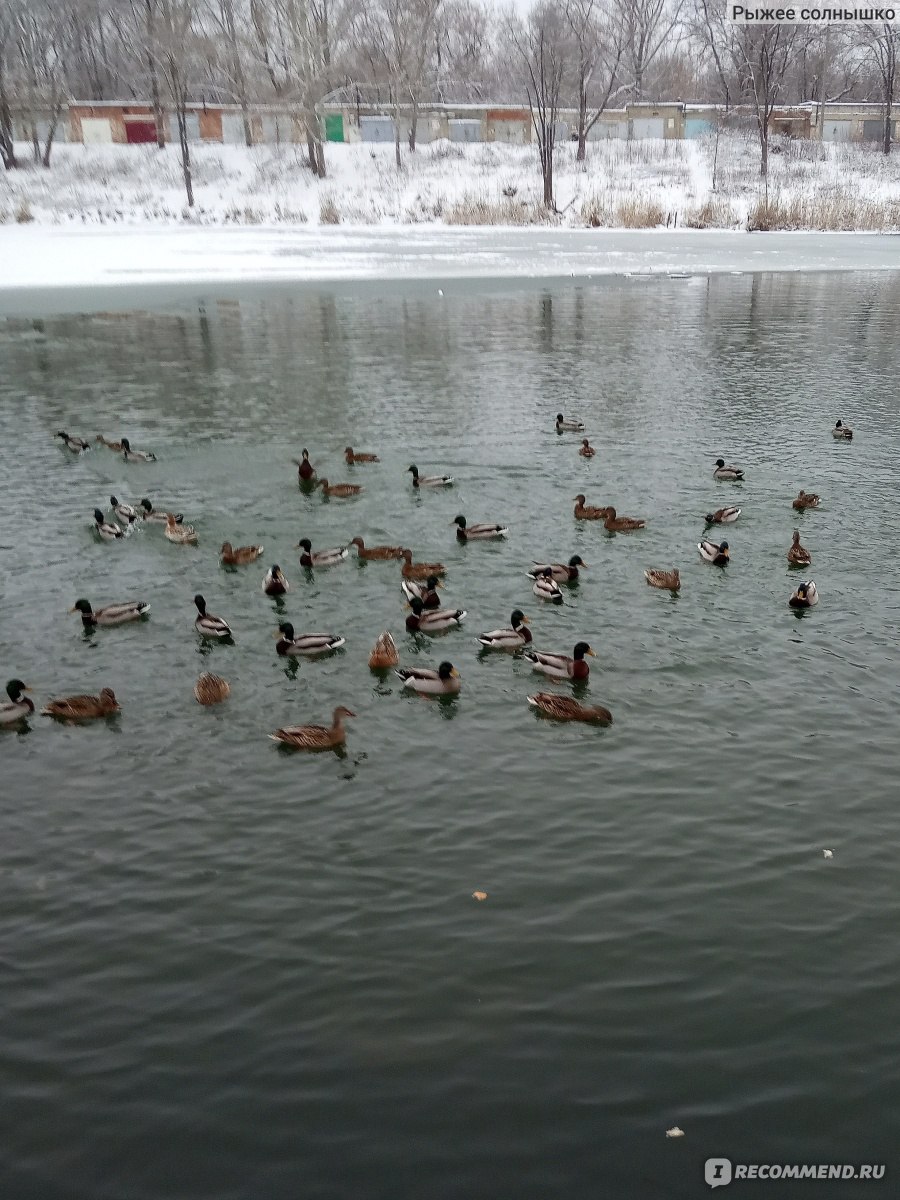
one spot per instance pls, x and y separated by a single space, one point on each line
647 127
95 130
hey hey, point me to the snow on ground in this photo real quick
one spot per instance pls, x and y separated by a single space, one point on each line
637 184
47 269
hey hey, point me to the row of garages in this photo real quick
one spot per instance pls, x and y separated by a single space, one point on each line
125 124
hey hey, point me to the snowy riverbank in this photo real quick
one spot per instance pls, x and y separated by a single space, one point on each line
636 184
53 261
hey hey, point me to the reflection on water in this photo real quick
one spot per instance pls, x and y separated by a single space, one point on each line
262 973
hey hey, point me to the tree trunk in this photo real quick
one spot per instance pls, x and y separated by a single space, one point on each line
581 152
823 77
397 157
413 124
887 131
36 144
7 146
51 133
764 152
154 81
181 116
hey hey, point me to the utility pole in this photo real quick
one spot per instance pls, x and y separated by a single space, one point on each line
822 94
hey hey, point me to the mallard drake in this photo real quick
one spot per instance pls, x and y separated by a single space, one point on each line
306 643
82 707
19 705
102 441
806 500
321 558
514 638
560 666
315 737
211 689
76 444
719 555
666 580
426 592
805 596
130 455
339 490
586 450
468 533
124 511
434 621
420 481
109 531
231 557
571 426
206 624
561 572
723 516
380 553
181 535
384 653
546 588
351 457
563 708
149 513
614 524
411 570
305 469
275 583
587 512
726 472
798 555
110 614
842 432
445 681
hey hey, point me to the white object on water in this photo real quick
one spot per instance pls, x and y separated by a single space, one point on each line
674 1132
828 854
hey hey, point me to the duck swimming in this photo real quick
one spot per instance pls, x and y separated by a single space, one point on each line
181 535
110 614
384 653
571 426
211 689
339 490
375 553
411 570
469 533
306 643
665 580
798 555
420 481
587 450
149 513
305 469
207 625
587 512
546 588
422 621
806 500
316 737
514 638
83 707
445 681
19 706
231 557
124 511
109 531
726 472
564 708
130 455
77 445
561 572
321 558
719 555
805 596
723 516
351 457
274 583
614 524
426 592
560 666
842 432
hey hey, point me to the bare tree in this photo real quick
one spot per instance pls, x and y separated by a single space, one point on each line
598 45
7 144
882 42
39 29
764 55
649 25
543 47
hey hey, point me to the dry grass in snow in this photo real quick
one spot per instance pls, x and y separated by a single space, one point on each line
639 184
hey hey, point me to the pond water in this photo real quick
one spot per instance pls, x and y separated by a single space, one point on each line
230 971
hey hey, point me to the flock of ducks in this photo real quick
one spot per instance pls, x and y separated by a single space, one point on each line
419 583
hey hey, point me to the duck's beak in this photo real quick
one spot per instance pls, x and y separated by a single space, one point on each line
27 689
71 610
440 585
525 621
277 634
583 566
592 653
455 673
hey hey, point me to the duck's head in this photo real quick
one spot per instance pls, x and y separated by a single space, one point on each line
518 618
108 698
547 572
559 418
114 501
275 571
98 516
839 424
226 548
796 537
305 544
348 450
460 521
14 690
201 604
417 606
357 541
447 671
82 606
720 462
126 445
581 649
577 561
285 630
802 591
62 434
305 454
580 499
341 712
413 470
610 514
146 505
433 582
585 443
723 548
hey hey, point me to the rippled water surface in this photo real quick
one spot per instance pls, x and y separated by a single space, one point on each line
235 972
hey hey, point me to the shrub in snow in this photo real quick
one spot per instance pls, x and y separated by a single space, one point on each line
328 211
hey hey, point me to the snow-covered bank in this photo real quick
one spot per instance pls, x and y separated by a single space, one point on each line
50 259
622 184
